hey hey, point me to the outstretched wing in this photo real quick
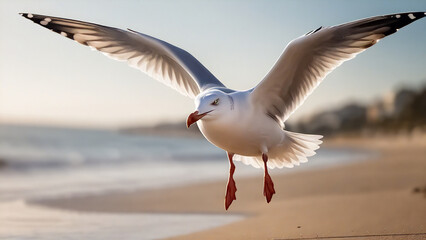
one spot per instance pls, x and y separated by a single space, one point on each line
160 60
308 59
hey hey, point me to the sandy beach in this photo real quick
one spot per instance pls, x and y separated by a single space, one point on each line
380 198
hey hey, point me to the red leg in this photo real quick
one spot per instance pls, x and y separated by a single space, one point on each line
230 188
268 185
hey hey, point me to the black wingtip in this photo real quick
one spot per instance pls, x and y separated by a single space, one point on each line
411 15
394 22
27 15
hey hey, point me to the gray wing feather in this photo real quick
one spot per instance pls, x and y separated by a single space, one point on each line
307 60
160 60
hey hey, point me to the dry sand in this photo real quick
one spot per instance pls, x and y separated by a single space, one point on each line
382 198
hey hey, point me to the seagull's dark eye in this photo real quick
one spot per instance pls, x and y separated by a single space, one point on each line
215 102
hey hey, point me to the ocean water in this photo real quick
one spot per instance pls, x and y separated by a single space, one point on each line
49 162
42 162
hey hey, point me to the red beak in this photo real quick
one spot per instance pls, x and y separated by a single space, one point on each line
193 117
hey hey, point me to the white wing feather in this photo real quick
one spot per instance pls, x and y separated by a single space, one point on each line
307 60
158 59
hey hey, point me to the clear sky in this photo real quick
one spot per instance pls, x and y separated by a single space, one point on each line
48 79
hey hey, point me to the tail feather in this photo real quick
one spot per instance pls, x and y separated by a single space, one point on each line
305 143
301 149
295 149
298 156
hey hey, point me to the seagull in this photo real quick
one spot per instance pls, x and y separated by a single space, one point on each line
248 125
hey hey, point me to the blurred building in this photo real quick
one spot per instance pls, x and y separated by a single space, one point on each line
348 117
390 106
402 110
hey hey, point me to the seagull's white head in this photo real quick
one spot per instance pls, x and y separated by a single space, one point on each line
210 105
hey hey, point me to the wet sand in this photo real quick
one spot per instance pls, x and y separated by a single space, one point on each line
381 198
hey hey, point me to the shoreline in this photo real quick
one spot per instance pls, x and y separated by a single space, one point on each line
346 196
112 197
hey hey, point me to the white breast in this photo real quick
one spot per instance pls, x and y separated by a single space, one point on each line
244 131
